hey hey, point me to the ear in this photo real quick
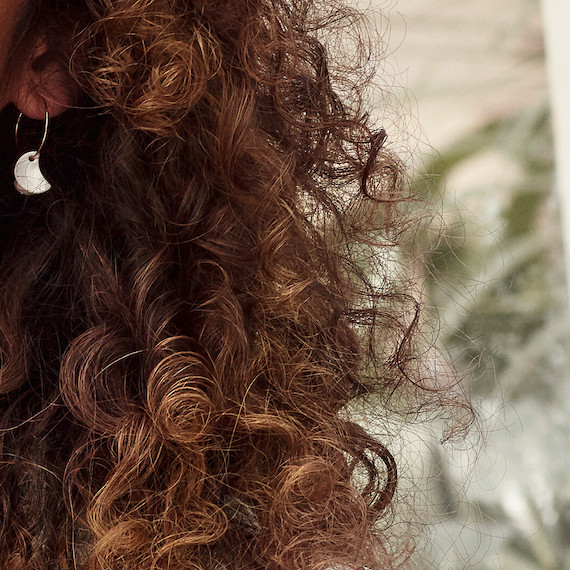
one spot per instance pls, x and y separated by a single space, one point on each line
44 83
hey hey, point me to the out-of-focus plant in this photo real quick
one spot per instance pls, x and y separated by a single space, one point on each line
497 281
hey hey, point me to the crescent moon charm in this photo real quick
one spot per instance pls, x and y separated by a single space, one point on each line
28 178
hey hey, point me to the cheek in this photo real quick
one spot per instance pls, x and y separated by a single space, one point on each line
9 10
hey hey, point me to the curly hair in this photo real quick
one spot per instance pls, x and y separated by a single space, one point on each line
185 316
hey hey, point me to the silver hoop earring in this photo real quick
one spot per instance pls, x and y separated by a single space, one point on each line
28 177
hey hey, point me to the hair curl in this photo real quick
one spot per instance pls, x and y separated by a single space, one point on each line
185 315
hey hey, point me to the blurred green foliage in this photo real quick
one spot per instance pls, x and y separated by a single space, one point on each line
498 287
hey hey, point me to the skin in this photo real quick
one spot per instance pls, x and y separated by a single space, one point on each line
34 89
9 10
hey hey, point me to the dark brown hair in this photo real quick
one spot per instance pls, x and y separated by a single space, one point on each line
186 314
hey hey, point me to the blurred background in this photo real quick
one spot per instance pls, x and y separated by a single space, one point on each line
473 75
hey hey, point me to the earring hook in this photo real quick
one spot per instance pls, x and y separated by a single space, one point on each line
46 125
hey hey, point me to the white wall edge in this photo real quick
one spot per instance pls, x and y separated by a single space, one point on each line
556 15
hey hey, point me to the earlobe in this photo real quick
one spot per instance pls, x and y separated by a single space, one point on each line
44 84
